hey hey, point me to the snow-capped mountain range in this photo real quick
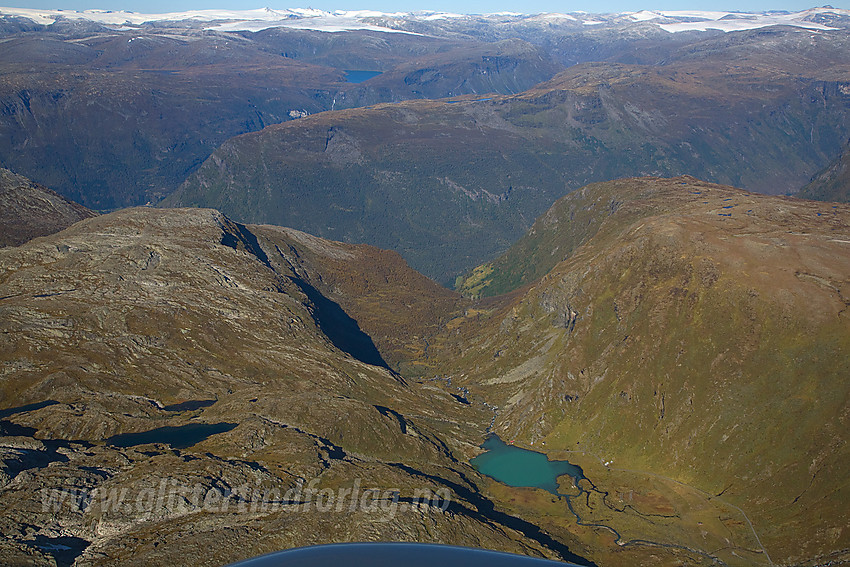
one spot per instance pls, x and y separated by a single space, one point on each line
320 20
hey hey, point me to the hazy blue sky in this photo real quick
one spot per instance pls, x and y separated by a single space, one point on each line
462 6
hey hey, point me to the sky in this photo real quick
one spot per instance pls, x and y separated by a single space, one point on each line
459 6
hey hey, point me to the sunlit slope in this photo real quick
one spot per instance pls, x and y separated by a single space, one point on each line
698 332
555 235
110 326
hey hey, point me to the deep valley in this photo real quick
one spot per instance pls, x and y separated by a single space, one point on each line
567 286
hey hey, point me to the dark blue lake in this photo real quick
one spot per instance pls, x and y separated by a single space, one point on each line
515 466
178 437
190 405
29 407
354 76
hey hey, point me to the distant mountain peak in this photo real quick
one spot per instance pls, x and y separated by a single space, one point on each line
672 21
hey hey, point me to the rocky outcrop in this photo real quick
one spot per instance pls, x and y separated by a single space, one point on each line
172 382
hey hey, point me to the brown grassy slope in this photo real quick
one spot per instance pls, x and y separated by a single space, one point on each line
123 314
28 210
706 341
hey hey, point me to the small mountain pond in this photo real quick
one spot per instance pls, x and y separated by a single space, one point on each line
520 467
355 76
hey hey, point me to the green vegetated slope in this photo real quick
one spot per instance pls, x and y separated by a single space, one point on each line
110 324
452 185
693 331
28 210
833 183
555 235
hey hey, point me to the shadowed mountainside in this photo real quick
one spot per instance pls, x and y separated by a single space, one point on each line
833 183
399 308
451 185
115 118
28 210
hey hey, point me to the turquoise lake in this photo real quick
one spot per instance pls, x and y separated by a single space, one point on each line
518 467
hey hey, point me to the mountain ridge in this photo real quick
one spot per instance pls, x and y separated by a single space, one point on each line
29 210
679 311
183 318
184 384
686 303
181 87
672 21
452 183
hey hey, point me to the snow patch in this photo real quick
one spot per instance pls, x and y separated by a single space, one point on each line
440 16
741 21
645 16
672 21
556 16
230 20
